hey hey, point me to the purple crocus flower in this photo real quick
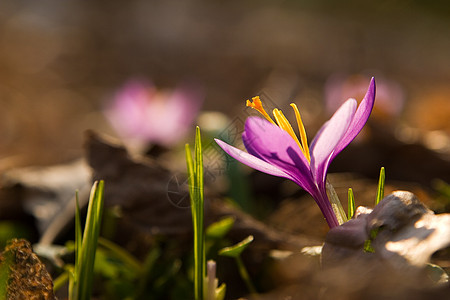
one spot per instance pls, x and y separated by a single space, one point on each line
274 148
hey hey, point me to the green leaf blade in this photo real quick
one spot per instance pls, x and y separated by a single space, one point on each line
89 243
380 190
195 174
351 203
236 250
219 229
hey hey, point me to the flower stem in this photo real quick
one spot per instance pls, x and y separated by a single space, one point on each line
244 274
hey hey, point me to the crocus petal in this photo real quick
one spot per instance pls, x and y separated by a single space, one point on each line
270 142
252 161
248 146
329 137
359 120
275 146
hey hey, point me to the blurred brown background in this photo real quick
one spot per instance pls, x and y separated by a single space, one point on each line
61 60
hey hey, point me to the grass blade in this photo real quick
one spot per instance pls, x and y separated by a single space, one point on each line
190 171
85 263
195 174
380 190
146 270
219 229
336 204
351 203
235 252
220 292
74 277
78 234
59 281
200 205
121 254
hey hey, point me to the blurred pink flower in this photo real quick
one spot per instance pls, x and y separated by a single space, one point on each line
142 114
340 87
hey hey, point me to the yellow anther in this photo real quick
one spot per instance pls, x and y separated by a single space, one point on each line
256 104
285 125
302 132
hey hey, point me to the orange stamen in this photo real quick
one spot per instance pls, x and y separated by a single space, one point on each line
302 131
284 124
257 104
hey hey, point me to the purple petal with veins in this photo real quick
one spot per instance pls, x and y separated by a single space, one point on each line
359 120
329 137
